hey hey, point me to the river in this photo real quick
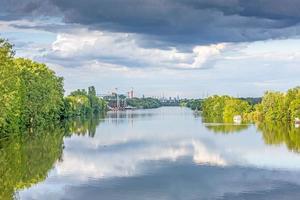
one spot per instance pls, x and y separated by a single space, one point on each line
166 153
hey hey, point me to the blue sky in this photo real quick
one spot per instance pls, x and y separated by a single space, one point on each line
188 48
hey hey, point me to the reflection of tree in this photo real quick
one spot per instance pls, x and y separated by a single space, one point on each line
218 125
26 159
227 128
281 133
83 125
212 119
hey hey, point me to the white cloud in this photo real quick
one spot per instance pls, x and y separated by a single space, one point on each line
123 49
206 56
108 60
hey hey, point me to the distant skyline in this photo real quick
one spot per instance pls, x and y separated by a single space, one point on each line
171 47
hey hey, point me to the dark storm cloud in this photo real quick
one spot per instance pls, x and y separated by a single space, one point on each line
16 9
174 21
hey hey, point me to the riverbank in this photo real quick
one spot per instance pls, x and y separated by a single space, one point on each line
32 95
273 107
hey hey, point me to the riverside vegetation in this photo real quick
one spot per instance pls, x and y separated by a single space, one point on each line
31 95
274 106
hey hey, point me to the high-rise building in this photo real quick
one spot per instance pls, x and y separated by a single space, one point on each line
130 94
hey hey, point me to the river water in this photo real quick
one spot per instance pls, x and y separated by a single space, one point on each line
166 153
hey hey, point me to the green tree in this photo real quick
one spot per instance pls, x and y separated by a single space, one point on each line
235 107
213 107
274 106
9 90
30 93
80 103
41 93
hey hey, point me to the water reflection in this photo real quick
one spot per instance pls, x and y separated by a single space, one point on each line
129 116
226 128
26 159
167 154
281 133
83 125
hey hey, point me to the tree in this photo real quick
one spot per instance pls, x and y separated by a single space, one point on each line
274 106
213 107
9 90
30 93
41 93
80 103
235 107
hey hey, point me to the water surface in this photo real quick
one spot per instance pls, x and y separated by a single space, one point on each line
165 153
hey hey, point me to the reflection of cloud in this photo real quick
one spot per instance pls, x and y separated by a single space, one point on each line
121 159
202 156
122 153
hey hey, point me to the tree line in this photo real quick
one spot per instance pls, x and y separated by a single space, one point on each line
194 104
31 94
144 103
274 106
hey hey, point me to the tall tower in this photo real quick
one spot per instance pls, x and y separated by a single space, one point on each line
118 101
131 93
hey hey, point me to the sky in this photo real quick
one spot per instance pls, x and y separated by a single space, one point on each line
185 48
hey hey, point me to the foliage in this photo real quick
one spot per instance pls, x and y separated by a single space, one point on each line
144 103
274 106
194 104
235 107
252 100
224 108
41 93
80 103
279 106
30 93
213 107
9 90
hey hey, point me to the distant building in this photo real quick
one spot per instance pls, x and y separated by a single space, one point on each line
130 94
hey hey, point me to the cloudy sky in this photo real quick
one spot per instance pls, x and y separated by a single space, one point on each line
190 48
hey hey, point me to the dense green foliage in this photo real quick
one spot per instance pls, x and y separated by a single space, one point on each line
144 103
194 104
216 108
279 106
252 100
274 106
30 93
81 102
